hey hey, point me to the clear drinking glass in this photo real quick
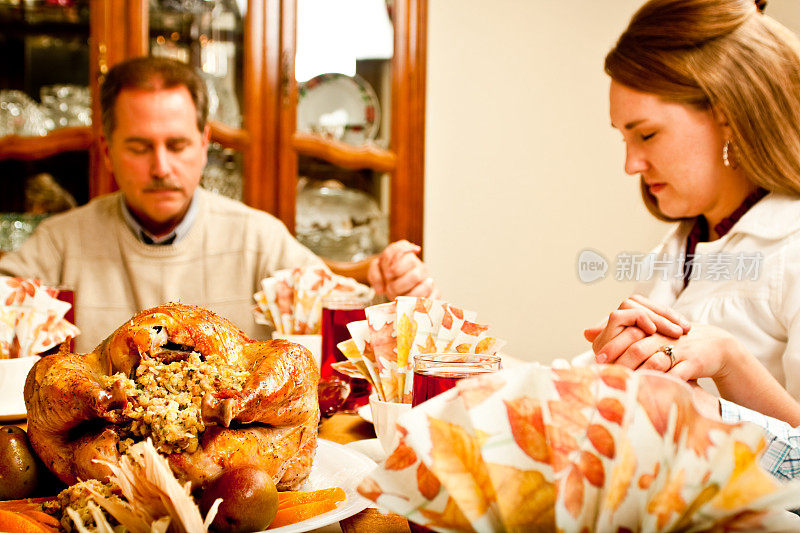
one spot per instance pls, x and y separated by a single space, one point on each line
438 372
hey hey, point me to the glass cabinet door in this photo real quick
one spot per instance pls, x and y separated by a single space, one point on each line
353 115
209 35
343 71
45 112
357 69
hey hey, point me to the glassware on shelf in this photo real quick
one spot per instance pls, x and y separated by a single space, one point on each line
161 47
20 115
208 34
66 105
43 194
58 11
340 223
183 6
223 172
15 228
222 104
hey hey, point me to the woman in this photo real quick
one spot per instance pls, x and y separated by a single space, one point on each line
706 94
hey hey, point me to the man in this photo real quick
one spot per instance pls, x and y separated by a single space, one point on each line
160 238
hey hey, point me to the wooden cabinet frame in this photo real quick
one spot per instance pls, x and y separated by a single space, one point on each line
405 158
268 140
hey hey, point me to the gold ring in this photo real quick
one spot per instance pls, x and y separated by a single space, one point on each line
668 350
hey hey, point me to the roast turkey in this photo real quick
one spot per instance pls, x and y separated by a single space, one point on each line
209 397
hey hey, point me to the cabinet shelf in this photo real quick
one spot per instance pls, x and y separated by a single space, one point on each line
60 140
343 154
80 138
229 137
21 20
21 29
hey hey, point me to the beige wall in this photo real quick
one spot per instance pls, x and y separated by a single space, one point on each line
523 170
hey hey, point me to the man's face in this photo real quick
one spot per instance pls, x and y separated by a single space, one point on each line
157 154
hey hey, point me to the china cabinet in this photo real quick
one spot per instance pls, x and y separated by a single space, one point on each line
246 50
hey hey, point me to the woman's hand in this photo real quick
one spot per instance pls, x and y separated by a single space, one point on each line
711 352
707 352
706 403
635 319
703 352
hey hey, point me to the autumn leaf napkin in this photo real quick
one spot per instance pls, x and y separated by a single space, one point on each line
31 318
596 448
291 300
394 333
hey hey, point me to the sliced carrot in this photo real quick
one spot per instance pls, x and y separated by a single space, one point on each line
291 499
18 523
42 518
301 512
27 503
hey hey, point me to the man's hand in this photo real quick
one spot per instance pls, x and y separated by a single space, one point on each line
397 271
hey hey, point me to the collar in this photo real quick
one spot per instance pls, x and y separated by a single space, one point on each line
700 230
725 225
774 217
175 236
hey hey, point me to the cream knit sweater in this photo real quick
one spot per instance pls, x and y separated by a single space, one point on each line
218 265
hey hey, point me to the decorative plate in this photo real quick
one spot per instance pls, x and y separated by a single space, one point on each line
335 465
340 107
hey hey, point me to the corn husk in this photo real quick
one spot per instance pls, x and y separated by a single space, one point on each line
153 495
596 448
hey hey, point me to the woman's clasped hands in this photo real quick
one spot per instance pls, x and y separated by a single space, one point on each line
640 334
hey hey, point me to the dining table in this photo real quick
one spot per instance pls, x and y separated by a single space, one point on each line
354 431
343 428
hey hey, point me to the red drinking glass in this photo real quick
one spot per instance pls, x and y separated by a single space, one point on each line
337 312
68 295
438 372
65 295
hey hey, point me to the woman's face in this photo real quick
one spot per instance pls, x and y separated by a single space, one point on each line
677 151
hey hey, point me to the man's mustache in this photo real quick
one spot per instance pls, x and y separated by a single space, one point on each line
163 185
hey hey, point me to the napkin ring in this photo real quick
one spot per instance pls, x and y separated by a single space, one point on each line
668 349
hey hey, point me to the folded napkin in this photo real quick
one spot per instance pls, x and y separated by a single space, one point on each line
31 318
384 345
596 448
291 300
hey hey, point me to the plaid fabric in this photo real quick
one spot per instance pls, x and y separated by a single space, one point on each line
782 456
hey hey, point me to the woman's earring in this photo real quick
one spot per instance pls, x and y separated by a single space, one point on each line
727 155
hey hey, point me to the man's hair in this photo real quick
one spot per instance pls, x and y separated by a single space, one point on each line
151 73
728 56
